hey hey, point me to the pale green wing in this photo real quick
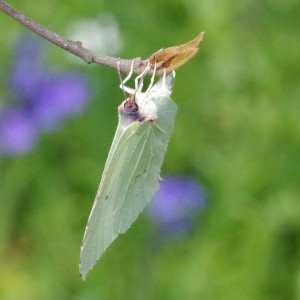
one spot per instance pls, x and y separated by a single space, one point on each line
143 179
100 231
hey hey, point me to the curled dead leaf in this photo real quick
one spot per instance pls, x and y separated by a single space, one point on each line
174 57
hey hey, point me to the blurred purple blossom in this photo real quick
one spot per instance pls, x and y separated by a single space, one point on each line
60 96
27 71
17 133
43 98
177 204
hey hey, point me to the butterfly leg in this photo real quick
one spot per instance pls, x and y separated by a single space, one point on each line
152 80
120 77
139 86
122 86
130 73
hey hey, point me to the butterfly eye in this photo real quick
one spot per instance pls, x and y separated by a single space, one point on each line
130 105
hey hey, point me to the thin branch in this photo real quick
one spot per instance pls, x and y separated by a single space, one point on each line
75 48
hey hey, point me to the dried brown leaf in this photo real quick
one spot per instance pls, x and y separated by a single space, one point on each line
174 57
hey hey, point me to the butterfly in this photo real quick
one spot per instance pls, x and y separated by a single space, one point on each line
132 170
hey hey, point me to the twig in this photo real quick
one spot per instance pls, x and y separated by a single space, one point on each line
75 48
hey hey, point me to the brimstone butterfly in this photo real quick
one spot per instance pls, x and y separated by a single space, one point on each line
132 171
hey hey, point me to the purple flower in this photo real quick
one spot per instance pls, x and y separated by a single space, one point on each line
43 98
59 96
17 133
177 204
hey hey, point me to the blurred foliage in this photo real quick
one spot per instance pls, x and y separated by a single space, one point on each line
237 132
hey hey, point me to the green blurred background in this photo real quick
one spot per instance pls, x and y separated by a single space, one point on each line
237 132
